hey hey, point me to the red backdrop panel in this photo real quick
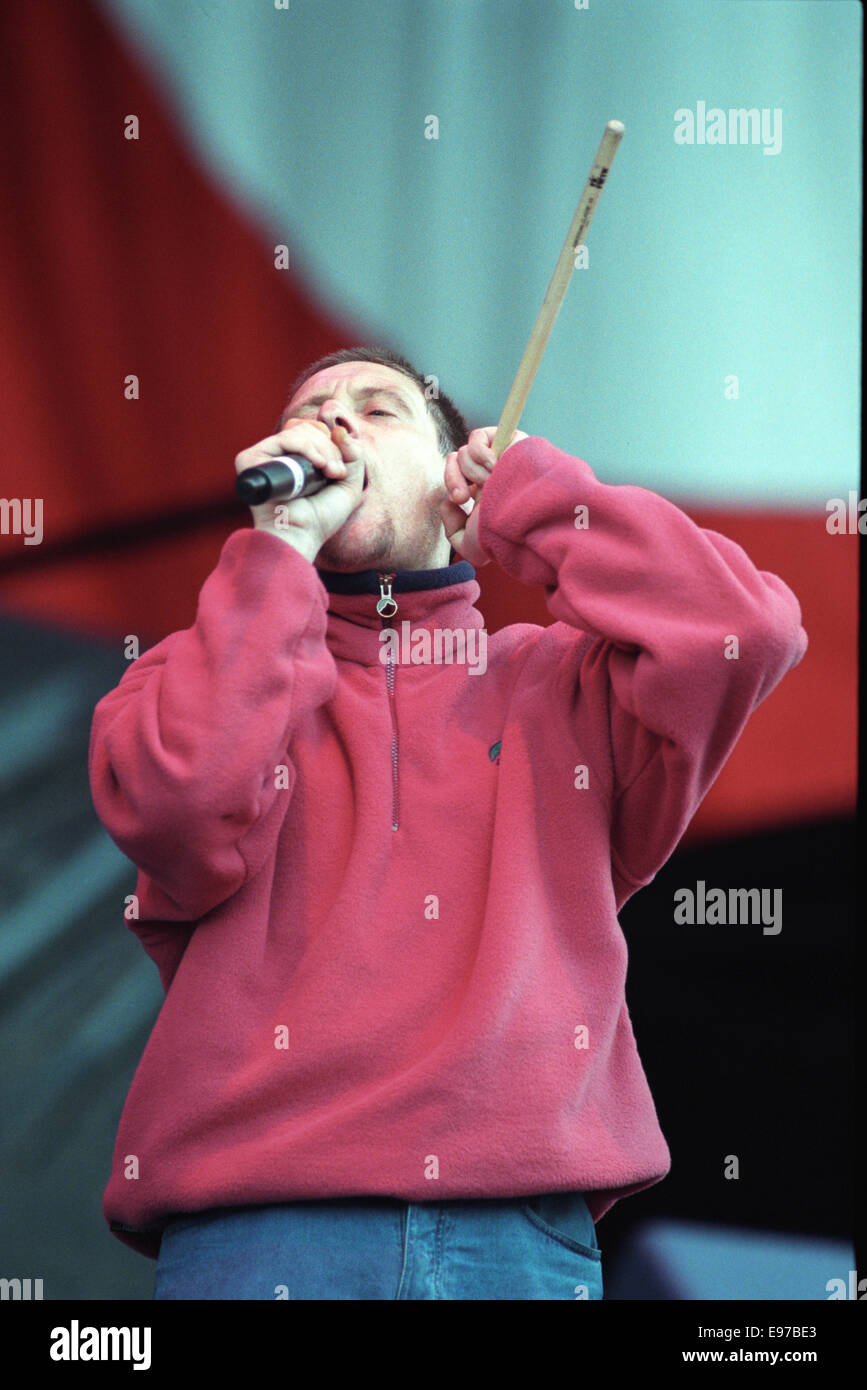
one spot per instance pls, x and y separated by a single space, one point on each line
120 257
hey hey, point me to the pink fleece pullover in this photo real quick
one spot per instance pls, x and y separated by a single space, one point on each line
382 893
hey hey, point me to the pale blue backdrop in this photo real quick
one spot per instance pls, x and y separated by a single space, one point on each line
705 260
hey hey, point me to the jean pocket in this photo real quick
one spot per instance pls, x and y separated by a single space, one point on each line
565 1217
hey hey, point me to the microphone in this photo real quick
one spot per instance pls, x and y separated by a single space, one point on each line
281 479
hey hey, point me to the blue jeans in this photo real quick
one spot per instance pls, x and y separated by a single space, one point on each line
381 1247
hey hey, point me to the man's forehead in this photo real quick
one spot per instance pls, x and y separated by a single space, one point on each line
358 376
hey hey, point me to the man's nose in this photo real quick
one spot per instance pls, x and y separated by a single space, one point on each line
332 413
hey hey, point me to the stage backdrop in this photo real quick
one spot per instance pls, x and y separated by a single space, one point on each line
202 197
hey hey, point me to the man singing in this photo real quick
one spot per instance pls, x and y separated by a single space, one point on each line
380 878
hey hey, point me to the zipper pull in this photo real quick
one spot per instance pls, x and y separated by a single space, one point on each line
387 605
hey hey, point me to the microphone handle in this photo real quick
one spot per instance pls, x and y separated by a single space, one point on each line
282 479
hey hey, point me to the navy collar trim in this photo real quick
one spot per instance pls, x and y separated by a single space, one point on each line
405 581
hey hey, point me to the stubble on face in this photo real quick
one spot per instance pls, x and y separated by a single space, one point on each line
347 552
378 536
379 548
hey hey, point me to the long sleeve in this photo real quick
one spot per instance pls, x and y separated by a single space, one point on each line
184 751
689 635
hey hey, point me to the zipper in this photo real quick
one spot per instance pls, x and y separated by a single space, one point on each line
386 608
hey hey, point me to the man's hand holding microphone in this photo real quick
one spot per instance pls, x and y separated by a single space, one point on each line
307 522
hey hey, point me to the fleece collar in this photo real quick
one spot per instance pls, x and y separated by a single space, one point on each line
437 598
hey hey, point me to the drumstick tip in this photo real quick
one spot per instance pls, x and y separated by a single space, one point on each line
615 126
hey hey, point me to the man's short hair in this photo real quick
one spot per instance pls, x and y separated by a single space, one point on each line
451 427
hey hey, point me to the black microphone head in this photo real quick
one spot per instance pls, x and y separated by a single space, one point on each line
253 486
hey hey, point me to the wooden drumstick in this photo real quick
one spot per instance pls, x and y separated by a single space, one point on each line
576 235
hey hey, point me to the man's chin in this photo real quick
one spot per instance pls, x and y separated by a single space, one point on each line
350 549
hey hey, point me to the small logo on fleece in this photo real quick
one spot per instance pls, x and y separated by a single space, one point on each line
494 751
